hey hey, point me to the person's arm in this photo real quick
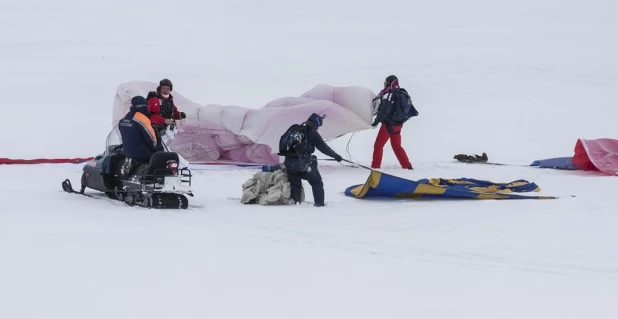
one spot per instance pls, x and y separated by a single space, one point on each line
315 138
148 134
384 110
154 107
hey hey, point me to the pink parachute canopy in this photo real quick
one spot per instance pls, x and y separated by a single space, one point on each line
233 134
597 155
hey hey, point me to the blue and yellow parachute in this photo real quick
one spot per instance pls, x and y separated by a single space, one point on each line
380 184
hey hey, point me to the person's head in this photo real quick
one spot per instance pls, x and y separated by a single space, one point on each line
165 87
316 120
139 104
391 82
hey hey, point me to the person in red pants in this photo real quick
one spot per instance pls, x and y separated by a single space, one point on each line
392 118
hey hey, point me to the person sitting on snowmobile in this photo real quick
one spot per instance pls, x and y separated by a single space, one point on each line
139 139
163 111
300 163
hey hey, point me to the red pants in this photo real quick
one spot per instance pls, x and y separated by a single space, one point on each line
381 139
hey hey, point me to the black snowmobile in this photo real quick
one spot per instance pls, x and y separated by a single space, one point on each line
160 184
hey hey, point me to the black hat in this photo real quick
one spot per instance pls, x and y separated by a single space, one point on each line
139 104
316 119
138 100
166 82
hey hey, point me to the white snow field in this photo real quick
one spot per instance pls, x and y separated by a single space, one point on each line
520 80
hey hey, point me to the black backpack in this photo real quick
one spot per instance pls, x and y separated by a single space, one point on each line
293 141
150 95
404 109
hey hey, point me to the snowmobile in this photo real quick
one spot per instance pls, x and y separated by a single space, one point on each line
159 184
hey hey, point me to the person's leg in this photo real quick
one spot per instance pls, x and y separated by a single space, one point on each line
296 186
402 157
378 146
317 185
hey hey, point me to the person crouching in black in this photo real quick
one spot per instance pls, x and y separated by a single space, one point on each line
302 164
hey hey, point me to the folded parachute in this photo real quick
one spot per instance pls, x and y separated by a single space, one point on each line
233 134
380 184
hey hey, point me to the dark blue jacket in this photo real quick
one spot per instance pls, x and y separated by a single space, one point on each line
139 140
299 162
388 111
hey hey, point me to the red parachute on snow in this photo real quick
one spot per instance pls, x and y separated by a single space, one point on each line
600 155
597 155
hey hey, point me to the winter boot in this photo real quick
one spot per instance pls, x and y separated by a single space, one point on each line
127 167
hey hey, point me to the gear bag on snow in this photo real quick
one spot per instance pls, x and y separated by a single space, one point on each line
472 158
293 141
404 109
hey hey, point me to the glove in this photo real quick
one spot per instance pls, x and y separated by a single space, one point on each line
375 123
182 115
338 158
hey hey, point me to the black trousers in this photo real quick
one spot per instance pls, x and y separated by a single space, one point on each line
312 175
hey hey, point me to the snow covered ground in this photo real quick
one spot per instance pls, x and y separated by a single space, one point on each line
520 81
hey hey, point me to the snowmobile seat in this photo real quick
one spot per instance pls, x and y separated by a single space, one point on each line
159 164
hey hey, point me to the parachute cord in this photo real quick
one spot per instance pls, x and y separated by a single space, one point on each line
347 149
348 154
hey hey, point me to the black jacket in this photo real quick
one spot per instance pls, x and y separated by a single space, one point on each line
299 162
388 111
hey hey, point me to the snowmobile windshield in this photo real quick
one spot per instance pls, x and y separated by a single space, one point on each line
113 139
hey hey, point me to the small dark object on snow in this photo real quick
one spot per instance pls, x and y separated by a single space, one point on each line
472 158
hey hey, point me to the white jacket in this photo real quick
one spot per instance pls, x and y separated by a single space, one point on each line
268 188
